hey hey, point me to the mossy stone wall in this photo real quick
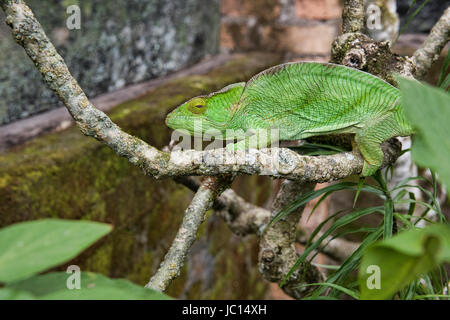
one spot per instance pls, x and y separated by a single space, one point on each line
67 175
119 42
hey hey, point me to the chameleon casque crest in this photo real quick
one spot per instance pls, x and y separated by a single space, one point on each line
302 100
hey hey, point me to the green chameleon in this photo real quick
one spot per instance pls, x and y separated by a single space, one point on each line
302 100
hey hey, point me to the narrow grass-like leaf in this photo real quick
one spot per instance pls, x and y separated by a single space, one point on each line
444 69
403 219
326 266
400 195
446 83
427 296
351 262
360 185
352 293
412 205
411 17
323 197
345 220
316 193
342 234
388 218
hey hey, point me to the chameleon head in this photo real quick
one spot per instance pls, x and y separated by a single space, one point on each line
206 113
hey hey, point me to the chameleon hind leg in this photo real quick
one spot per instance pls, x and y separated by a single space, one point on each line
371 151
369 143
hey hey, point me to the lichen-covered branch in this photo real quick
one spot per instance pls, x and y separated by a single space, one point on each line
353 16
431 48
277 254
358 51
244 218
241 216
185 237
274 162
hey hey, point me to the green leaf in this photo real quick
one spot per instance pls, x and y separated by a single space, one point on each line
351 293
28 248
428 110
403 258
350 263
444 82
345 220
432 296
53 286
11 294
411 17
305 198
388 218
360 185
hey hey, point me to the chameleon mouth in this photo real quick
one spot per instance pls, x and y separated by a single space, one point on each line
174 121
193 125
179 122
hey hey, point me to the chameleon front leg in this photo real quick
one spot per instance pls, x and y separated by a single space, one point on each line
256 140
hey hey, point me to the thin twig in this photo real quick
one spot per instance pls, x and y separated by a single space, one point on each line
430 50
193 218
241 216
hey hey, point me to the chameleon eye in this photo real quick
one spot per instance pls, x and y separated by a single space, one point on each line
197 105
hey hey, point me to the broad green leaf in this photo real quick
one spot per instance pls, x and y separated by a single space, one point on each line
11 294
54 286
428 110
28 248
403 258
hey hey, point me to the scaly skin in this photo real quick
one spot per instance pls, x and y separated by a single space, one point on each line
302 100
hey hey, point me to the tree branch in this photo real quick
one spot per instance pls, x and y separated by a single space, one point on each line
353 16
193 218
275 162
280 163
430 50
241 216
277 254
244 218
